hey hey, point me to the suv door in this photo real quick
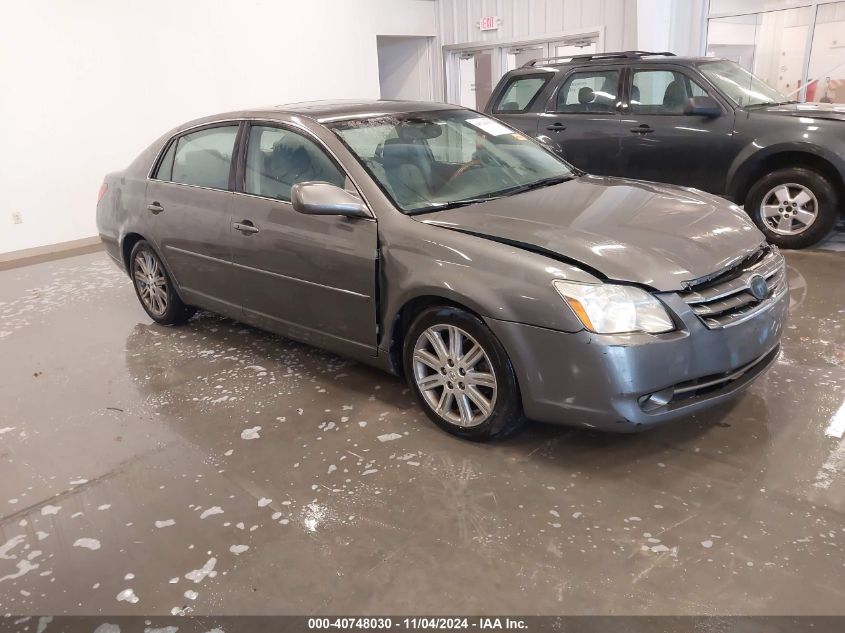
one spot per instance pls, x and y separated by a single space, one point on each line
309 277
663 144
582 119
187 202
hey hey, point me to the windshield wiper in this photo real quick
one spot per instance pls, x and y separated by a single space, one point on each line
454 205
769 104
537 184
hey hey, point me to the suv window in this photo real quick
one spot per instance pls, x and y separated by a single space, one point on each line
202 158
277 159
593 91
662 92
520 93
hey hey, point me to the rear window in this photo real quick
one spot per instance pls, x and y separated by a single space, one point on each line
202 158
520 93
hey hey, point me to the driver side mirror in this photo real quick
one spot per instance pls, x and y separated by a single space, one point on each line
702 106
321 198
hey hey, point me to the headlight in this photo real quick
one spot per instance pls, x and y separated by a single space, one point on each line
615 308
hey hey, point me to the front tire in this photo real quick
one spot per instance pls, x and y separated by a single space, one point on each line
793 207
462 375
154 288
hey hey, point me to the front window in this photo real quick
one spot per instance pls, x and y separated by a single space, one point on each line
739 85
278 158
426 161
662 92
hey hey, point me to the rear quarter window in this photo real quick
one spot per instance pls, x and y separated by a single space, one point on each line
519 93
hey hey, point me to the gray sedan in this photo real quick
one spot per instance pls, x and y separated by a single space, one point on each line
440 244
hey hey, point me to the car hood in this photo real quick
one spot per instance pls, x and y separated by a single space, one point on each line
656 235
829 111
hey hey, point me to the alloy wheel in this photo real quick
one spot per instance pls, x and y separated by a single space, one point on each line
454 375
789 209
151 282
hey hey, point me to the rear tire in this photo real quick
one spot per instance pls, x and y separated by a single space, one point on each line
154 288
794 207
465 382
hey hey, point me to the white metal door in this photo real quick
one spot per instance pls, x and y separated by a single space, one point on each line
474 72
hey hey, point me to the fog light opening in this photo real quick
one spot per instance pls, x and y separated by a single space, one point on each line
652 401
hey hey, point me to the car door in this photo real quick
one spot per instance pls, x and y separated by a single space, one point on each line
308 277
582 120
188 200
663 144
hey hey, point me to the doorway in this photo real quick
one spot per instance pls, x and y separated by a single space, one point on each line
475 78
404 67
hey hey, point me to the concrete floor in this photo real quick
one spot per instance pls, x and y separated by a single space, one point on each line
217 469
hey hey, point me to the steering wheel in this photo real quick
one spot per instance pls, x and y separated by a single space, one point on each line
472 164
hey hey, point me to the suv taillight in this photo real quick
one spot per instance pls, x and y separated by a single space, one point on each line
103 189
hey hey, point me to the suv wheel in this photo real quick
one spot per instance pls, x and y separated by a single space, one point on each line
461 375
794 207
154 288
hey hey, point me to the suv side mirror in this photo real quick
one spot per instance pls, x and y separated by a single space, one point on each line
321 198
702 106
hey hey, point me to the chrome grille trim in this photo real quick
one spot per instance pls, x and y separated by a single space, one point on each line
727 300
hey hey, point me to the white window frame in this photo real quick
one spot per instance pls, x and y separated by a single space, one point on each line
808 45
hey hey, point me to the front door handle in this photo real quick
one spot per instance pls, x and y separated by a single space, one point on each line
556 127
642 129
245 226
155 208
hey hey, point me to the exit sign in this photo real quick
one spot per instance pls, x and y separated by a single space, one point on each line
489 23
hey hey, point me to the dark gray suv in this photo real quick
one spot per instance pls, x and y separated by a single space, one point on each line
698 122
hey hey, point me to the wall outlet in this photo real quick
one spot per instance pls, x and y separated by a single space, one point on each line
17 218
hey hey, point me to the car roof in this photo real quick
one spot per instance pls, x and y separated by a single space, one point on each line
328 111
606 59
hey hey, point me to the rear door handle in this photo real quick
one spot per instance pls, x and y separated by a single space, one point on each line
642 129
155 207
556 127
246 227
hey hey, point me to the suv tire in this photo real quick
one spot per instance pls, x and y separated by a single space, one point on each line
780 202
471 367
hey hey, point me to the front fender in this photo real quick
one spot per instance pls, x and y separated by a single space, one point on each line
493 280
755 153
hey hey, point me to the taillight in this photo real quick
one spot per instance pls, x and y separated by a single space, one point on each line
103 189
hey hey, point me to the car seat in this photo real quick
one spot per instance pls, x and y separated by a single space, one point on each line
674 97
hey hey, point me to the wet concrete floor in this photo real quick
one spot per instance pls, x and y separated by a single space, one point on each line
217 469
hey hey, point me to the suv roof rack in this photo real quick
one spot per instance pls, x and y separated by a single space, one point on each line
596 56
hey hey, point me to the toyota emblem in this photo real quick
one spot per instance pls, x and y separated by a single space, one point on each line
758 287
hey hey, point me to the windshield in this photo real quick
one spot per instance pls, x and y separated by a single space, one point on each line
739 85
427 161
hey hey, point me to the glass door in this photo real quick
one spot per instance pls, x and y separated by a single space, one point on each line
475 78
826 82
573 46
517 56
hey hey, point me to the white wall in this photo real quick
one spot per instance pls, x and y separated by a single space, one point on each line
404 68
676 26
529 19
86 85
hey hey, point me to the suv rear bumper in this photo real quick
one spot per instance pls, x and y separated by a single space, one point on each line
626 383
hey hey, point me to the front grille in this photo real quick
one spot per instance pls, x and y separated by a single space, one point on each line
726 299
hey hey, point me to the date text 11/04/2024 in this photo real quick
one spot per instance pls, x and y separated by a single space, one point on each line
376 623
